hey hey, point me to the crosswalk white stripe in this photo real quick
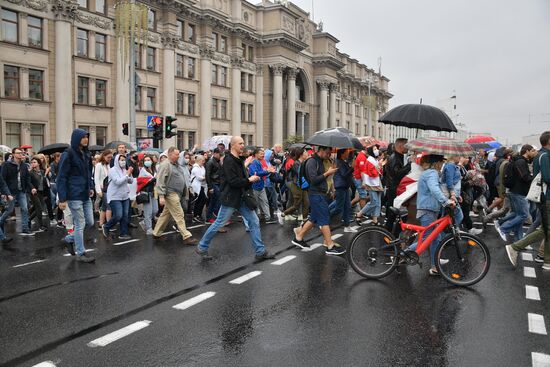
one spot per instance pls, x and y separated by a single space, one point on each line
536 324
167 233
45 364
529 272
540 360
312 247
88 250
355 227
119 334
125 242
526 256
193 301
197 226
245 277
29 263
532 293
283 260
336 236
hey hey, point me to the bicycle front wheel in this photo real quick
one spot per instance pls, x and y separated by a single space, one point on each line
463 261
372 253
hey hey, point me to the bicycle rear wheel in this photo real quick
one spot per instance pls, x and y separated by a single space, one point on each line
462 262
372 253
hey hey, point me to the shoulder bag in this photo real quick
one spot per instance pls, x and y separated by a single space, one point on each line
536 189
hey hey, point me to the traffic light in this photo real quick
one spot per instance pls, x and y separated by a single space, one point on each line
169 127
125 128
157 130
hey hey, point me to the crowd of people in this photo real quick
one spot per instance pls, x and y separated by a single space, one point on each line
303 186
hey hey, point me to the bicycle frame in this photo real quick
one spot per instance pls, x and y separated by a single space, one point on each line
424 243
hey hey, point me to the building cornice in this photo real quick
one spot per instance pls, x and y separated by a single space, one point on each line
329 61
283 39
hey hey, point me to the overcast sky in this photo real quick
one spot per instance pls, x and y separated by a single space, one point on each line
494 53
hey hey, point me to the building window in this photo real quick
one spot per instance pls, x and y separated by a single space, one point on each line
11 81
179 65
180 140
223 76
82 42
223 44
243 112
151 20
9 26
338 105
138 98
250 82
101 135
190 139
151 58
83 3
137 56
243 81
347 125
191 68
190 33
357 131
348 108
214 113
100 40
179 25
100 6
357 111
223 109
214 72
215 41
34 31
250 56
151 99
83 90
250 113
191 104
101 92
36 84
37 136
245 53
179 102
13 134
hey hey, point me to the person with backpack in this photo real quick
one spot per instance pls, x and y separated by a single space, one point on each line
316 175
75 188
343 180
297 185
501 201
258 167
517 178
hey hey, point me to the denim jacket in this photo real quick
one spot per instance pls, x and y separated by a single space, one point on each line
429 196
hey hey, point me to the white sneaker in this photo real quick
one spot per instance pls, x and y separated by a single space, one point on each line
475 231
280 218
142 225
513 255
349 229
501 233
149 232
546 267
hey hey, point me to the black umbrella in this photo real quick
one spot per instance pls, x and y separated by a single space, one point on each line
300 145
336 137
478 146
96 148
54 148
418 116
114 144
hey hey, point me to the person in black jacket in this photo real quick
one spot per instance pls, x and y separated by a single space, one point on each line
234 183
6 194
394 172
213 170
16 175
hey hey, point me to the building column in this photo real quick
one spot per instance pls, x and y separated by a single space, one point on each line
168 83
352 119
260 105
291 100
206 53
332 107
277 104
302 124
323 87
236 96
64 12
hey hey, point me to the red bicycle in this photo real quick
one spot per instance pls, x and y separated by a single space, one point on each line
461 258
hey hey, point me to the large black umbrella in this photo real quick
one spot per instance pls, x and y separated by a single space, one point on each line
114 144
54 148
96 148
335 137
418 116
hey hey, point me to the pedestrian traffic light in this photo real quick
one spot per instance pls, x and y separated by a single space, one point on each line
157 130
169 127
125 128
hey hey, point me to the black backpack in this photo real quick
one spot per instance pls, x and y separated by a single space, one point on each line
509 175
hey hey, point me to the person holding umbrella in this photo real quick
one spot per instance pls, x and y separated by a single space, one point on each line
371 181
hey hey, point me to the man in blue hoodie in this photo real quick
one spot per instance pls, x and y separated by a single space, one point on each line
75 188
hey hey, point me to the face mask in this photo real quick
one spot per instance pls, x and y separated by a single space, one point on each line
122 164
376 152
147 164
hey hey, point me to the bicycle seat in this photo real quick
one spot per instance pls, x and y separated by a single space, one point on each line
401 212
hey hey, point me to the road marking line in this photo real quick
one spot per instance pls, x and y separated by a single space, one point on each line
532 293
337 236
45 364
125 242
540 360
197 226
529 272
355 227
536 324
167 233
526 256
245 277
312 247
283 260
119 334
89 250
29 263
193 301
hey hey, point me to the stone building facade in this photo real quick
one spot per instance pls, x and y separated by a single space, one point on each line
265 72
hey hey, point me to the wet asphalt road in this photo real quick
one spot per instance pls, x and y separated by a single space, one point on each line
312 310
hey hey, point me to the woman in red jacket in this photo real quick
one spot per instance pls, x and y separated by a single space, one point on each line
371 181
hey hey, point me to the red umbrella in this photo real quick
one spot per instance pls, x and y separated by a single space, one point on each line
25 147
479 139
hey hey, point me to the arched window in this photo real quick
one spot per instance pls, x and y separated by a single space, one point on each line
300 89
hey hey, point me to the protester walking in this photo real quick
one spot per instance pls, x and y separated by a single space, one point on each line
146 186
118 197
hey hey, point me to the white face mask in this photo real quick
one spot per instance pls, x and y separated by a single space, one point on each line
376 152
122 164
147 164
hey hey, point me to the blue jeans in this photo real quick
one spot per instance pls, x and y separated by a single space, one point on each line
359 187
374 205
520 212
120 214
223 216
272 197
425 221
83 216
342 204
150 209
214 204
21 199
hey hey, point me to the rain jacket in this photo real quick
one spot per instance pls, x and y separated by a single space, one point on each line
74 179
118 183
